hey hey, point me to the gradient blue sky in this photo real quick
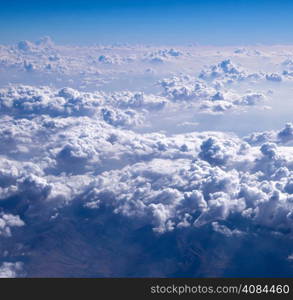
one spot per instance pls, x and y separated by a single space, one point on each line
209 22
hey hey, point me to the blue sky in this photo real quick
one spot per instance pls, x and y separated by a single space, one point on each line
208 22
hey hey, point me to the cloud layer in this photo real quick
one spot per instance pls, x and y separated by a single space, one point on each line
89 187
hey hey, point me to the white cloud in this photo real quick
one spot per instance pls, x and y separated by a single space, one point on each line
79 159
10 270
7 221
227 72
274 77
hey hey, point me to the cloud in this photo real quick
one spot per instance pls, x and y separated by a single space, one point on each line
10 270
162 55
44 43
227 72
87 181
222 229
164 184
169 183
274 77
7 221
221 191
27 102
209 97
283 136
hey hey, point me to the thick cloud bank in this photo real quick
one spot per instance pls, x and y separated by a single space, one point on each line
86 191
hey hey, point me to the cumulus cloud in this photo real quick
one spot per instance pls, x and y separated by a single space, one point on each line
274 77
210 97
7 221
162 55
27 102
214 172
215 181
10 270
283 136
83 187
227 72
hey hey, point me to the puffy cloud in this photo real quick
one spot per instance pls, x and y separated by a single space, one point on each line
7 221
172 194
81 185
251 99
162 55
213 151
222 229
210 97
286 134
131 100
27 101
151 180
43 43
111 60
248 52
288 63
186 88
24 45
282 136
227 72
151 177
10 269
274 77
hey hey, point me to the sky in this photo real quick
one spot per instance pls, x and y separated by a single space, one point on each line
208 22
